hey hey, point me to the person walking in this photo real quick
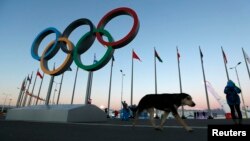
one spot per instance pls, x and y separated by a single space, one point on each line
233 100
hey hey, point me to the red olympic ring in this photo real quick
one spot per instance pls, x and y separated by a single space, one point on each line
84 43
129 37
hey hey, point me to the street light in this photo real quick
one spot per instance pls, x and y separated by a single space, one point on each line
6 95
235 68
122 87
9 102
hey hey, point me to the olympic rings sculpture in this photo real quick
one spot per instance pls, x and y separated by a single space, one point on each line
84 43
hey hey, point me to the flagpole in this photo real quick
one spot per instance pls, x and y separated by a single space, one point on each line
182 108
20 93
39 89
32 91
156 112
23 93
122 74
132 77
73 93
110 83
59 92
134 56
89 84
246 62
204 79
155 73
50 88
27 91
225 63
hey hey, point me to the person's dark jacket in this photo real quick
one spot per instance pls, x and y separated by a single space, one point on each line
232 92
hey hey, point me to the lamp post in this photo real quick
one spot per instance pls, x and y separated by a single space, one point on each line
235 68
6 95
9 102
122 74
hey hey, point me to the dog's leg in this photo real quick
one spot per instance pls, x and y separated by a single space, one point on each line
135 118
177 116
151 113
164 117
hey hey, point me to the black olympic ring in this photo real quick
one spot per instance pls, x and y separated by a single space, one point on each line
85 42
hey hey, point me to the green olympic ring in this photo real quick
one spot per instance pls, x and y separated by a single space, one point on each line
103 61
86 41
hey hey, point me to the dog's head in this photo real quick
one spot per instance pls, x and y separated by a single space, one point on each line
186 99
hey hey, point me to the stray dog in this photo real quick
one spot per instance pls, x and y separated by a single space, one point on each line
165 102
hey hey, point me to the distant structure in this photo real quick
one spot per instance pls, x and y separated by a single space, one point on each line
221 101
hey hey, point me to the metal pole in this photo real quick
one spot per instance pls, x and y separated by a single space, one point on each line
27 91
49 90
53 100
156 112
39 90
182 108
73 93
110 83
54 95
241 90
204 79
59 92
132 77
155 74
32 91
20 93
4 102
246 62
25 94
9 102
122 87
225 63
89 85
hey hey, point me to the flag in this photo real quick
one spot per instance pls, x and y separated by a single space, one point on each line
178 54
39 74
69 69
201 54
29 79
247 57
23 85
135 56
224 56
158 57
225 62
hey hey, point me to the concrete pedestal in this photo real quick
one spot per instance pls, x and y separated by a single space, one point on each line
58 113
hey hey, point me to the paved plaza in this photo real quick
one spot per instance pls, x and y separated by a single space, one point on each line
112 130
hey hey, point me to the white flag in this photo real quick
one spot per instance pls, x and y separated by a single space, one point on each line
247 57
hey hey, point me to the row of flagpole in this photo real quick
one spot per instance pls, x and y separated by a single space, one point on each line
24 92
246 58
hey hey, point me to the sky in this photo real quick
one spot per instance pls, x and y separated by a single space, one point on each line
164 25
